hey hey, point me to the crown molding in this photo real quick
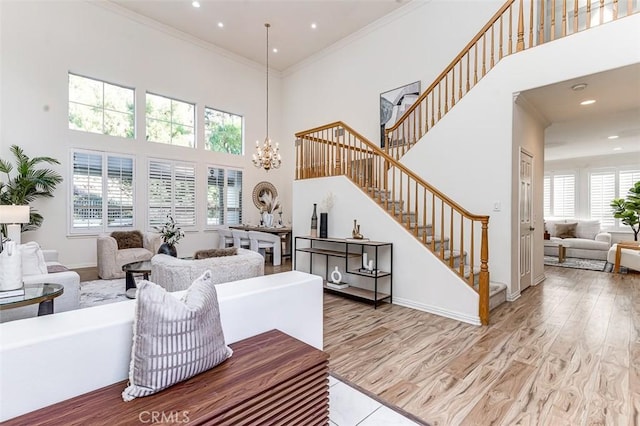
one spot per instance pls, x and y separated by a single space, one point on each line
340 44
108 5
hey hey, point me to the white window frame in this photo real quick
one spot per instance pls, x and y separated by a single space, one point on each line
225 211
206 132
104 228
171 122
552 176
102 107
172 210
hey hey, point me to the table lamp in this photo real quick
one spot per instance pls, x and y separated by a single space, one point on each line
13 216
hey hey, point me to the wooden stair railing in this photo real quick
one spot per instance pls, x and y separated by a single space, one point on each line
458 238
511 29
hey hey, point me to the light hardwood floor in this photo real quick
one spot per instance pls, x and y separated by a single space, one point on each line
565 353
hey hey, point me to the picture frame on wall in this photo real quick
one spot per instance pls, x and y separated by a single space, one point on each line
393 104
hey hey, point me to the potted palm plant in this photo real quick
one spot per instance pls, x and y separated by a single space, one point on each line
628 210
25 183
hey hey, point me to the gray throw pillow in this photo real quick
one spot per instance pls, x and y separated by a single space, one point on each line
173 339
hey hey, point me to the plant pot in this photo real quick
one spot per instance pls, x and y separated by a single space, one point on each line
169 249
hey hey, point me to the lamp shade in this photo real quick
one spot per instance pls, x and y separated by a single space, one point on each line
14 214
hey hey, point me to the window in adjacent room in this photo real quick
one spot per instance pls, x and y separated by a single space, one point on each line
170 121
606 185
171 191
103 192
560 195
224 196
222 131
99 107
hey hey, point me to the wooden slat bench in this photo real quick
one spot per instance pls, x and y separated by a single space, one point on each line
271 379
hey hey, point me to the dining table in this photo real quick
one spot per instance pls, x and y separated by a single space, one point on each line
283 231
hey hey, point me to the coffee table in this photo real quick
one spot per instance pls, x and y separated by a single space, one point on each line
129 269
42 293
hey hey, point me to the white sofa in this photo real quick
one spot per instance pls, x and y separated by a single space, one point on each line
69 300
176 274
56 357
590 241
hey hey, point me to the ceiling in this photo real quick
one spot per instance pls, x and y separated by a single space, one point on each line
574 130
583 131
244 33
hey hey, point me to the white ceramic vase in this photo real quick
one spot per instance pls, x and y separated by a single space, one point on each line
267 219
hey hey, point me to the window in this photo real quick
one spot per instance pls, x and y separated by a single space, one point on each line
222 131
170 121
224 196
102 192
172 191
602 189
560 195
99 107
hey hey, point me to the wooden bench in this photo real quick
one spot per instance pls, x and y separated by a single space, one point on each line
271 378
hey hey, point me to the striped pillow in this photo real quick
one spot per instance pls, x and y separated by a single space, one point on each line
173 339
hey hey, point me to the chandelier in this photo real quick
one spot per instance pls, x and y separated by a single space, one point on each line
267 156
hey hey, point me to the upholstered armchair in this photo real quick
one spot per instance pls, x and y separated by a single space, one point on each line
111 258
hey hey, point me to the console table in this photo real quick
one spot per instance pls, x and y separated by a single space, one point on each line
347 249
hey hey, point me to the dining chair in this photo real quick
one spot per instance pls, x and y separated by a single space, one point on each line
261 241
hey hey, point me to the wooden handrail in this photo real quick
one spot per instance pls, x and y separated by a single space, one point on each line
400 166
482 53
337 149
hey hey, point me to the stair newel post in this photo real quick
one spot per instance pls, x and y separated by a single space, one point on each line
520 42
483 285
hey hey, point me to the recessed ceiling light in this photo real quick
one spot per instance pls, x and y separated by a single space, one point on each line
220 25
275 50
613 137
579 86
195 3
617 148
314 25
588 102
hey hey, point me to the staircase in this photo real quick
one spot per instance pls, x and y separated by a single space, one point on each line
457 237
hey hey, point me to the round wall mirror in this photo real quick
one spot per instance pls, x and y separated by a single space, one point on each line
260 189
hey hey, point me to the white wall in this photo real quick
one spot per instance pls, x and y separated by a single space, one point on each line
528 134
420 280
42 41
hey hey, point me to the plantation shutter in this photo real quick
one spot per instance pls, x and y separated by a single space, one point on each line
564 195
627 179
87 191
547 196
160 192
602 189
184 200
119 192
234 197
215 196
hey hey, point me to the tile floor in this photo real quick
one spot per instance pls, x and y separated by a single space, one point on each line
349 407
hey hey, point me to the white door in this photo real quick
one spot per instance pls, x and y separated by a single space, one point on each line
526 226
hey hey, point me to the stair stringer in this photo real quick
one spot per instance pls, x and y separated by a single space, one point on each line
420 280
476 135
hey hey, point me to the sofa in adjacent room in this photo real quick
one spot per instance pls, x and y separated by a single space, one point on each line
583 238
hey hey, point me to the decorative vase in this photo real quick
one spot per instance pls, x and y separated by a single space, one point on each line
314 222
10 267
365 261
267 219
169 249
336 276
324 217
355 233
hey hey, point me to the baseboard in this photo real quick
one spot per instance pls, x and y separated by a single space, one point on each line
81 265
539 279
513 297
473 320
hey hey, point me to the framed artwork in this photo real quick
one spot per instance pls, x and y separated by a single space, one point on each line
393 104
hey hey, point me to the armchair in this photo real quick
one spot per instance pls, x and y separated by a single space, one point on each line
111 259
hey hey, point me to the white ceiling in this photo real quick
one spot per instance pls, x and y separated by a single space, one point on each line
244 33
583 131
574 131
